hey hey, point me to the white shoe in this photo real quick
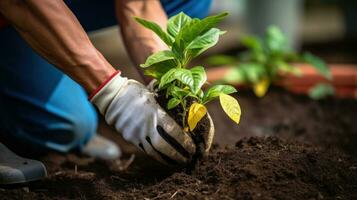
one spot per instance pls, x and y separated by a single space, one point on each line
101 148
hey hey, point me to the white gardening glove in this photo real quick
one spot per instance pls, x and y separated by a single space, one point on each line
133 111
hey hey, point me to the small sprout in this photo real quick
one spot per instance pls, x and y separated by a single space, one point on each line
321 91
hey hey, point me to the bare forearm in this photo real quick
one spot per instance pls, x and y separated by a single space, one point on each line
139 41
52 30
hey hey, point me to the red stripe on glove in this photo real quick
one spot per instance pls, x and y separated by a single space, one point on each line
103 84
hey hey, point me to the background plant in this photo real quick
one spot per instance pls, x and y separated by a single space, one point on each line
186 39
265 60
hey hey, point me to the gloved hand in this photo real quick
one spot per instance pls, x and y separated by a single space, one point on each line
133 111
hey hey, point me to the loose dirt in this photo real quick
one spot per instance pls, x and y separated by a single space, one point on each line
309 154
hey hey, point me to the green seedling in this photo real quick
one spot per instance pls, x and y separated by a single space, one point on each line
321 91
187 38
265 60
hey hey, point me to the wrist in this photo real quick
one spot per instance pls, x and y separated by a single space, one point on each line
103 84
107 91
97 70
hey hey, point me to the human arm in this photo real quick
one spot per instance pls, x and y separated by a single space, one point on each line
139 41
52 30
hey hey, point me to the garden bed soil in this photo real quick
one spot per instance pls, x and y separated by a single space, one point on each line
315 160
198 134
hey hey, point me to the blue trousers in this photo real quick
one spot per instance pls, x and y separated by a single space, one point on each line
41 106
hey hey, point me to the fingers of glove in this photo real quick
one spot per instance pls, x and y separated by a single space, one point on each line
151 85
208 138
147 147
174 135
161 145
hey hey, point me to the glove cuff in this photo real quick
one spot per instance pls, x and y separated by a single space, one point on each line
105 93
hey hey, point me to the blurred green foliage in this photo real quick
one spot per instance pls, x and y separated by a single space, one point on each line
265 61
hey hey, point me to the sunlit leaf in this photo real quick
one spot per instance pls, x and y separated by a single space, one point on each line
183 75
158 57
175 23
157 70
199 78
168 39
260 88
195 114
203 42
216 90
230 106
197 27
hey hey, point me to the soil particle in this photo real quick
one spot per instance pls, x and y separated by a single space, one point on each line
329 123
315 160
254 168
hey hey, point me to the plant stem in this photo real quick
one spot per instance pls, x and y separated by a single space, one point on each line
183 104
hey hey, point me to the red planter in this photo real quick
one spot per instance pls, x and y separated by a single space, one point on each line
344 79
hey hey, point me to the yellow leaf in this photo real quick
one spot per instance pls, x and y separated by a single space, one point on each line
230 106
195 114
261 88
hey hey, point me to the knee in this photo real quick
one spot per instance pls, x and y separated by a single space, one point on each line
82 127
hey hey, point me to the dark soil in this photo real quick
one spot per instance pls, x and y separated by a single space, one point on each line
330 123
202 128
315 160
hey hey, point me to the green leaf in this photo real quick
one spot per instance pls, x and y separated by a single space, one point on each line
178 48
253 43
285 68
235 76
221 60
319 64
177 92
198 27
158 57
216 90
199 78
159 69
321 91
175 23
203 42
275 40
173 102
182 75
168 39
252 71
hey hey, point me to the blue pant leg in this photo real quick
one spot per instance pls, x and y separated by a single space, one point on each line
193 8
38 103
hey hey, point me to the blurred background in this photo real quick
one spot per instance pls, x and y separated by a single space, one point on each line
327 28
